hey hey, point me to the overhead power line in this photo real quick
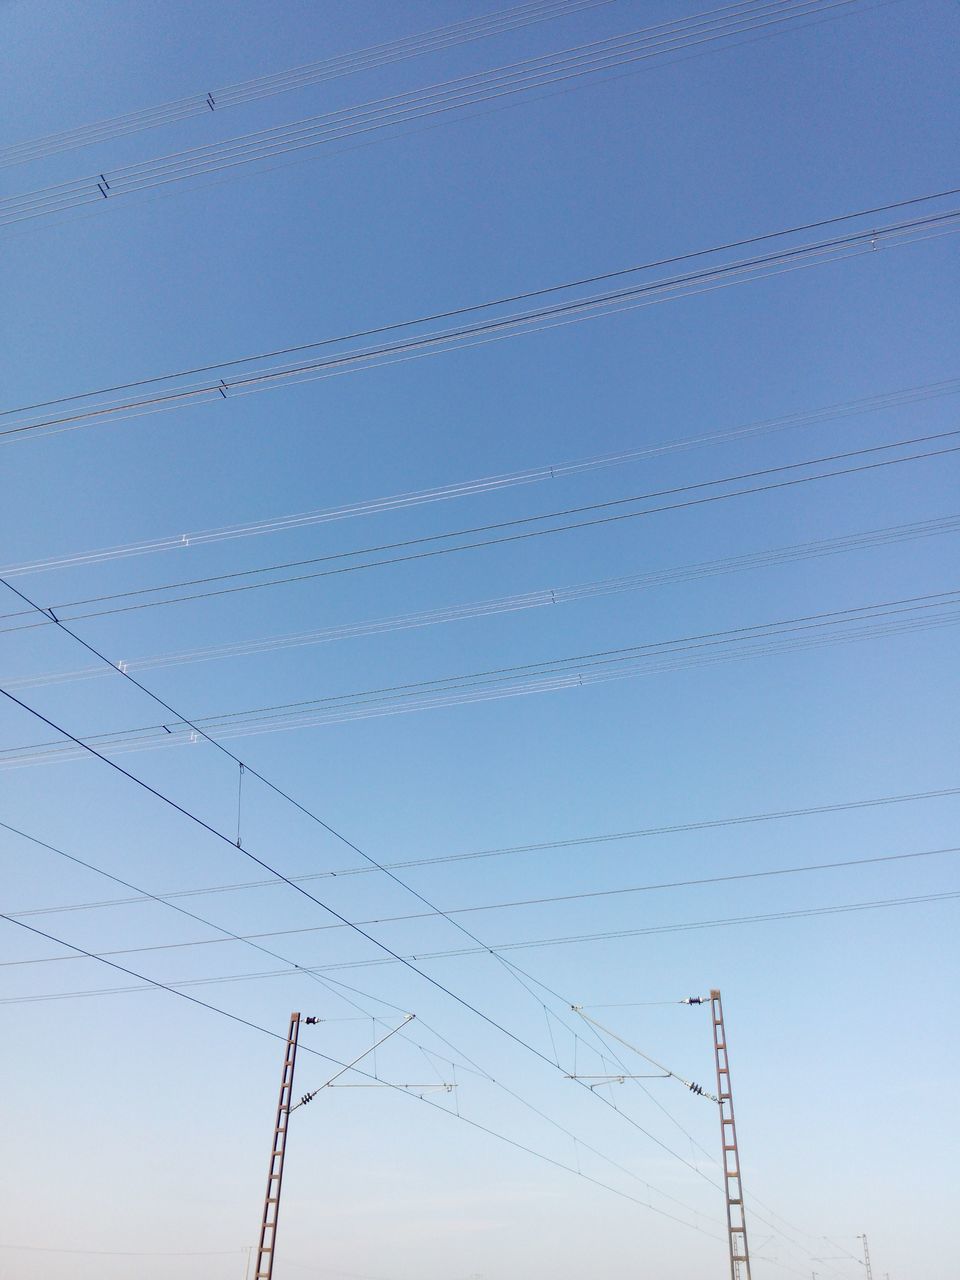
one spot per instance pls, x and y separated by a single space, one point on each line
246 374
56 612
486 484
338 989
170 988
546 597
514 970
542 846
586 895
425 957
757 639
319 71
561 67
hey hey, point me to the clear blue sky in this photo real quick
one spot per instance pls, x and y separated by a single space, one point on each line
137 1123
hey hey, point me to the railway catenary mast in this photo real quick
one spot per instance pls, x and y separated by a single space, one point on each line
732 1185
271 1203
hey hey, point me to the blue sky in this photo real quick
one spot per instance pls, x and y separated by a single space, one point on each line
143 1122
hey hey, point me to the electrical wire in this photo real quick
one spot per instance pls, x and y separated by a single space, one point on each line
318 72
55 751
510 966
485 484
409 917
520 975
560 67
486 1075
338 988
709 824
543 675
549 596
53 614
431 100
536 1110
388 951
173 989
227 384
424 957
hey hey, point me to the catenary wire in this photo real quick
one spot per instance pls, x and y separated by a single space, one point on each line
511 968
388 951
708 824
214 387
571 668
52 612
337 989
39 754
174 990
560 67
522 977
316 72
548 900
125 1253
424 957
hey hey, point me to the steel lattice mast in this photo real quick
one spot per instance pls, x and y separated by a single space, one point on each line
271 1203
267 1246
866 1259
733 1187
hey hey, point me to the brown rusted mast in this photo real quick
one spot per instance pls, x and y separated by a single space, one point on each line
271 1203
733 1188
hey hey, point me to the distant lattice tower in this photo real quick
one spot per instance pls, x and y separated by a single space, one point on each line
866 1259
733 1187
